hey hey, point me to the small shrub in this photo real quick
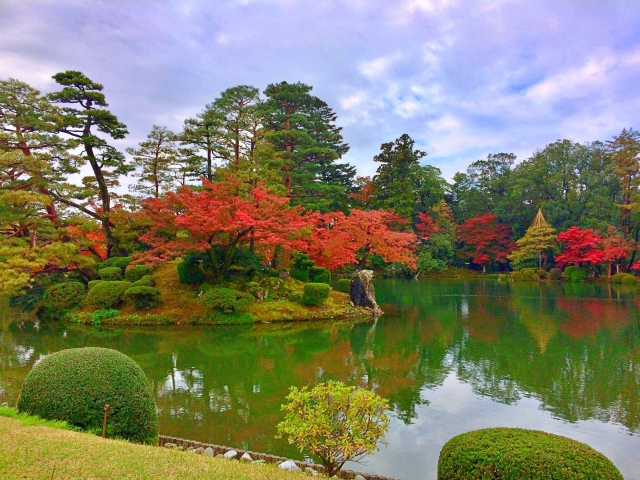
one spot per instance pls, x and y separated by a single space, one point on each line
568 270
146 281
301 265
319 275
299 274
110 273
93 283
577 275
190 272
555 274
142 297
136 272
629 279
103 314
73 385
529 274
226 299
335 422
516 276
503 278
62 297
514 453
343 285
107 294
120 262
541 272
315 294
617 278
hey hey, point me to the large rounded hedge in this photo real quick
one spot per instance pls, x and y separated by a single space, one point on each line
62 297
515 453
74 385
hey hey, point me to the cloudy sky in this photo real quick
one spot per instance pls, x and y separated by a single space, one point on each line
463 78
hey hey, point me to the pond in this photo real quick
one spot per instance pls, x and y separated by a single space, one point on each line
449 355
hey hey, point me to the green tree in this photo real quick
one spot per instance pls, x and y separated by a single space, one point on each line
301 128
157 160
401 183
202 135
83 123
335 422
624 151
539 239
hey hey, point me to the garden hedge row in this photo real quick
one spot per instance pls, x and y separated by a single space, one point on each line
514 453
74 385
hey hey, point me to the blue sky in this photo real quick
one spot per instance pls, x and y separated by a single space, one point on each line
463 78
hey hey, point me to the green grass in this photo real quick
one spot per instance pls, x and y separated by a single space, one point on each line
33 450
27 420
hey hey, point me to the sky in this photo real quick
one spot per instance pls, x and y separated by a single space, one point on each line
463 78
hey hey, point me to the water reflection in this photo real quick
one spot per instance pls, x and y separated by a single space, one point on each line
448 351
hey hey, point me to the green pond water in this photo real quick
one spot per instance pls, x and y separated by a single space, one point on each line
449 355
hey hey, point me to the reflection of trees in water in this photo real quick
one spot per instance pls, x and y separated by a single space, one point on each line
226 385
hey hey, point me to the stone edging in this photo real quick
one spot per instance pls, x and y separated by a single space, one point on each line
221 450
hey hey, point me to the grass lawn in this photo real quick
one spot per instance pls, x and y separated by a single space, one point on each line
30 450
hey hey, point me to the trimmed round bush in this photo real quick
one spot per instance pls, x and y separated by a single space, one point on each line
136 272
568 270
617 278
577 275
555 274
74 385
226 299
62 297
315 294
529 274
503 278
516 276
142 297
93 283
190 273
120 262
107 294
319 275
146 281
110 273
343 285
629 279
515 453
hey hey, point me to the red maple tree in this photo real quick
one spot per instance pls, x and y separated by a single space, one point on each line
580 246
426 226
485 240
615 248
339 240
218 216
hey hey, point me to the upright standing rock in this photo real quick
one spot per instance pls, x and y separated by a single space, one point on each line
362 292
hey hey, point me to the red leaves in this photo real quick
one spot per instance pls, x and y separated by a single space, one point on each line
191 220
338 240
486 239
426 226
580 246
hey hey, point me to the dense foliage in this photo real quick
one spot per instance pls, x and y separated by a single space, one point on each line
74 385
315 294
107 294
226 300
335 423
513 453
63 296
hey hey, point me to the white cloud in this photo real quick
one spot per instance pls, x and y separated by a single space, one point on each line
375 69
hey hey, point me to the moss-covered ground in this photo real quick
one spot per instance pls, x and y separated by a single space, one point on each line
36 450
179 306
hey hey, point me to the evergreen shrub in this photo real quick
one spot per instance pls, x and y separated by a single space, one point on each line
146 281
578 275
142 297
568 270
617 278
503 278
107 294
541 272
226 300
110 273
62 297
190 272
73 386
343 285
516 276
629 279
515 453
120 262
93 283
136 272
529 274
315 294
319 275
555 274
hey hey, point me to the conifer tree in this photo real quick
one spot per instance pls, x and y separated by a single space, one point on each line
157 161
539 238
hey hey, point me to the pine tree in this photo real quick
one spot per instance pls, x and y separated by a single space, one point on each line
539 238
156 161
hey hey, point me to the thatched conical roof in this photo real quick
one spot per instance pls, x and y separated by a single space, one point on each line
539 221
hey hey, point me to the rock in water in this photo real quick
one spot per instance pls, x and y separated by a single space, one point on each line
362 292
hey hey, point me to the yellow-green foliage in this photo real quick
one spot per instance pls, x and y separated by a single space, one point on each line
518 454
136 272
629 280
555 274
110 273
146 281
315 294
226 300
107 294
73 386
335 422
343 285
63 296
